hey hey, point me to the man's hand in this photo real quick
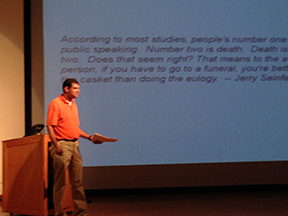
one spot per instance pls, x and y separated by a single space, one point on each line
59 150
97 142
95 139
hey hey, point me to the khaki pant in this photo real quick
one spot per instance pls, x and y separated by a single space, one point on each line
71 160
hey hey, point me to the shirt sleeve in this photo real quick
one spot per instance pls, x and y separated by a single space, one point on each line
52 115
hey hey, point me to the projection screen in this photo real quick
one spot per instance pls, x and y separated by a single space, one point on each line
192 89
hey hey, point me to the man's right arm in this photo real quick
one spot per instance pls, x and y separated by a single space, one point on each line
51 133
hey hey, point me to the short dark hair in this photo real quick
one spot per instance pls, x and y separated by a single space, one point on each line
68 82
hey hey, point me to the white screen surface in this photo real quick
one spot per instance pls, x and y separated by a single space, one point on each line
198 81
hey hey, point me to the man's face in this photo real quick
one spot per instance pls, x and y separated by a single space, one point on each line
73 91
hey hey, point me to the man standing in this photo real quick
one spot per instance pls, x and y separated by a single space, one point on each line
63 128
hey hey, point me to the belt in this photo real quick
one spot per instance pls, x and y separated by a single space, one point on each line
67 140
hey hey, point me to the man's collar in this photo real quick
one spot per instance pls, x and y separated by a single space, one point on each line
65 100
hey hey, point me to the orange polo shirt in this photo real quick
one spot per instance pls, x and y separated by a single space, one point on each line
64 118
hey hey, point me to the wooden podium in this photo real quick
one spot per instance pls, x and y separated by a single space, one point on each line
28 177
